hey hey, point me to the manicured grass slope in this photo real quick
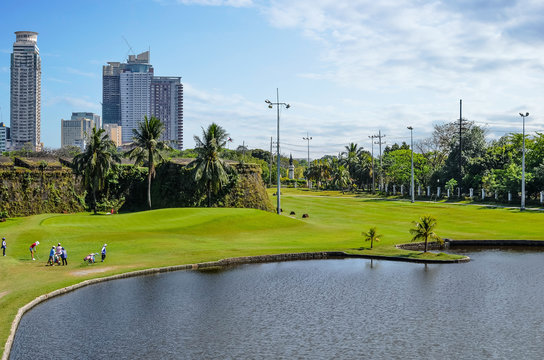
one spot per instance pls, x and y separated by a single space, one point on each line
181 236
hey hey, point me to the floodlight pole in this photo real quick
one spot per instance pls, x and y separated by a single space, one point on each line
412 148
308 138
287 106
523 165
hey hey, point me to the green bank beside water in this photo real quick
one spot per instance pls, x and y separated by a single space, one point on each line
190 235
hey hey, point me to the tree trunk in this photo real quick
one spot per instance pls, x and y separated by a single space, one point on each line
149 189
94 200
209 194
425 245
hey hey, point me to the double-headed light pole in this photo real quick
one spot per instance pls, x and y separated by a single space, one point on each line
287 106
523 164
412 150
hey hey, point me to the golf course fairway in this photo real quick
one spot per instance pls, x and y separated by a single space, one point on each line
167 237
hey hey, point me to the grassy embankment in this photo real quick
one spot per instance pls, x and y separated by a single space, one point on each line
183 236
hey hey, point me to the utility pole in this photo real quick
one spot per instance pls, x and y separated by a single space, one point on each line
372 156
270 166
380 136
462 126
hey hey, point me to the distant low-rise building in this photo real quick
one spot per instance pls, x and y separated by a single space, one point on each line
75 131
4 137
115 133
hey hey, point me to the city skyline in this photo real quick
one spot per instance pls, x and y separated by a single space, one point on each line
349 69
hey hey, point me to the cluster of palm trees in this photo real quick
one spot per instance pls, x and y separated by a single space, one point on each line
351 167
423 230
96 161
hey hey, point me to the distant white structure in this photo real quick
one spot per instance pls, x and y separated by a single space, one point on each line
25 94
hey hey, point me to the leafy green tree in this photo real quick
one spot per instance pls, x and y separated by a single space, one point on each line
147 148
372 235
210 170
424 230
94 163
340 178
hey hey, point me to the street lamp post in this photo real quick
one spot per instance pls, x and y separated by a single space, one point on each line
523 164
412 148
287 106
308 138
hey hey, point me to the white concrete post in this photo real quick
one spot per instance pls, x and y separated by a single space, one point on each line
428 191
438 192
458 192
448 193
471 192
394 189
418 190
402 190
386 188
509 196
541 197
496 195
483 194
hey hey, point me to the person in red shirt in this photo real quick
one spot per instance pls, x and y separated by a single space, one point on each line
33 249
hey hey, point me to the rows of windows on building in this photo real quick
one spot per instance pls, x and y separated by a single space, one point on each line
130 92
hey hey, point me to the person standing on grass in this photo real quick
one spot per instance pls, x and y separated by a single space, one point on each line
64 256
4 246
51 260
33 249
104 252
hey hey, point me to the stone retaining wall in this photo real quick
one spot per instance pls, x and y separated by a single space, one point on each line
417 246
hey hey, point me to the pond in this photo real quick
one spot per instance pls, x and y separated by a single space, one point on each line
491 307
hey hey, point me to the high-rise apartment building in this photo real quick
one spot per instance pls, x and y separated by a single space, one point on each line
25 101
167 105
130 91
75 132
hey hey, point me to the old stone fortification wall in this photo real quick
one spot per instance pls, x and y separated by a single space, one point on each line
26 188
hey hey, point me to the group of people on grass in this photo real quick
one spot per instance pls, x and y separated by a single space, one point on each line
57 254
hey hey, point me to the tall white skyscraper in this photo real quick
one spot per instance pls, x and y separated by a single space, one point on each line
25 117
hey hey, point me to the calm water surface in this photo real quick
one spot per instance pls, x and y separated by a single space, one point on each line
492 307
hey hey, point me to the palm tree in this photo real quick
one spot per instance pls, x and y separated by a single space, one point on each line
148 147
210 170
424 230
340 177
94 163
372 235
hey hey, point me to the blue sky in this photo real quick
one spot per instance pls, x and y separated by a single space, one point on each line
348 68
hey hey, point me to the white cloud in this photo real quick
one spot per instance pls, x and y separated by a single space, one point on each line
232 3
73 71
74 102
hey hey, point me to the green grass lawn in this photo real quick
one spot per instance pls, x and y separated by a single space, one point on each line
183 236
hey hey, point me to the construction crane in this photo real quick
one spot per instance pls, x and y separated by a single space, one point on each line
131 50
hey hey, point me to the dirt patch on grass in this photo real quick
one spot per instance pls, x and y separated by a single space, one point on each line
92 271
3 293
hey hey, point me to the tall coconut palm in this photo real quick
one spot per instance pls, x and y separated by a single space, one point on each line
94 163
210 170
372 235
424 230
148 147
